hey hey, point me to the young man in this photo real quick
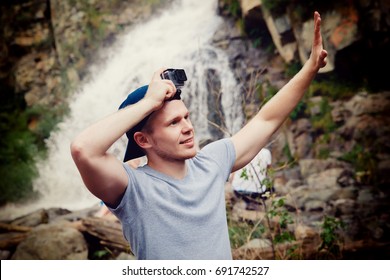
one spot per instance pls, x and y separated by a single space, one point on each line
174 206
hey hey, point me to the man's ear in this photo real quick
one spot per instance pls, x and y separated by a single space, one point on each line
142 140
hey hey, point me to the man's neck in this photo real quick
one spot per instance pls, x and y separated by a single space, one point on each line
173 168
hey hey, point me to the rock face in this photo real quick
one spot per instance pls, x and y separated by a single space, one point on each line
30 55
52 242
46 45
348 31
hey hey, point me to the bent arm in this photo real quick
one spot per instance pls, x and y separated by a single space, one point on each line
102 173
255 135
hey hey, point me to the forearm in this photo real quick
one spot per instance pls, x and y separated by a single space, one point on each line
99 137
283 103
249 140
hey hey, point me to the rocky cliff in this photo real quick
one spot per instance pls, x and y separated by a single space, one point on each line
356 33
46 45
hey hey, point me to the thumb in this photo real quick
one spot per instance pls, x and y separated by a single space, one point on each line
156 75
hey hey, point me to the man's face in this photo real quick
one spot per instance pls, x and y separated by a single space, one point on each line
171 132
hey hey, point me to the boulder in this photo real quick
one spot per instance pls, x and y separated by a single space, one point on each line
57 241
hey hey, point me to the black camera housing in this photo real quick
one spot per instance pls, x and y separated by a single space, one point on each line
177 76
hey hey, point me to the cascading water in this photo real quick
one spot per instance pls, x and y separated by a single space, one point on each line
178 38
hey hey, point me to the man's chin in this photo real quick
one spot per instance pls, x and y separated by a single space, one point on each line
190 155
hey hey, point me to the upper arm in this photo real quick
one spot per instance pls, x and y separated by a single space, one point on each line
104 176
251 139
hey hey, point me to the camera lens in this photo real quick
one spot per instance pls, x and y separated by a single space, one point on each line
181 75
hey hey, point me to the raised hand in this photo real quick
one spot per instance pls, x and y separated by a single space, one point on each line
160 89
318 54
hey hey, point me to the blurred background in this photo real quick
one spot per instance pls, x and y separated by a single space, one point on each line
65 64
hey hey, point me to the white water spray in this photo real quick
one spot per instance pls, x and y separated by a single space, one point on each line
178 38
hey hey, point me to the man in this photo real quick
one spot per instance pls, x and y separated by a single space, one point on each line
174 206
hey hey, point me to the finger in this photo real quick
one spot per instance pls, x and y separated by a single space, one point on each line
156 75
170 84
316 14
323 60
323 54
317 29
171 88
317 22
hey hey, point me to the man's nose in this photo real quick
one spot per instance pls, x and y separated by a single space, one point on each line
187 126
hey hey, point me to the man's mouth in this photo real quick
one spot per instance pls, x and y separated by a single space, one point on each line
187 141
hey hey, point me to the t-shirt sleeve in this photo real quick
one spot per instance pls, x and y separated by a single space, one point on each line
133 198
223 153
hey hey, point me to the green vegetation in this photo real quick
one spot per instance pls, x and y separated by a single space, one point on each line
333 88
364 163
323 142
102 254
331 239
292 68
284 219
302 8
270 92
17 153
299 111
287 153
241 232
277 226
323 121
21 146
46 120
232 8
276 7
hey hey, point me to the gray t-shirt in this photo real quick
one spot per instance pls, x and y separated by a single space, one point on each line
166 218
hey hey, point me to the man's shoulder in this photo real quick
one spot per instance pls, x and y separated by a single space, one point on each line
224 142
221 152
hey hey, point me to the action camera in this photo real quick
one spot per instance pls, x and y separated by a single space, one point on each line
177 76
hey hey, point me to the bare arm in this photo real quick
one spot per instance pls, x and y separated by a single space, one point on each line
253 136
102 172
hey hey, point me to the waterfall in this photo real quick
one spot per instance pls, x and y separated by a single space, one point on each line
180 37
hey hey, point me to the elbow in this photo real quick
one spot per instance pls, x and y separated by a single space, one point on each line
78 151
